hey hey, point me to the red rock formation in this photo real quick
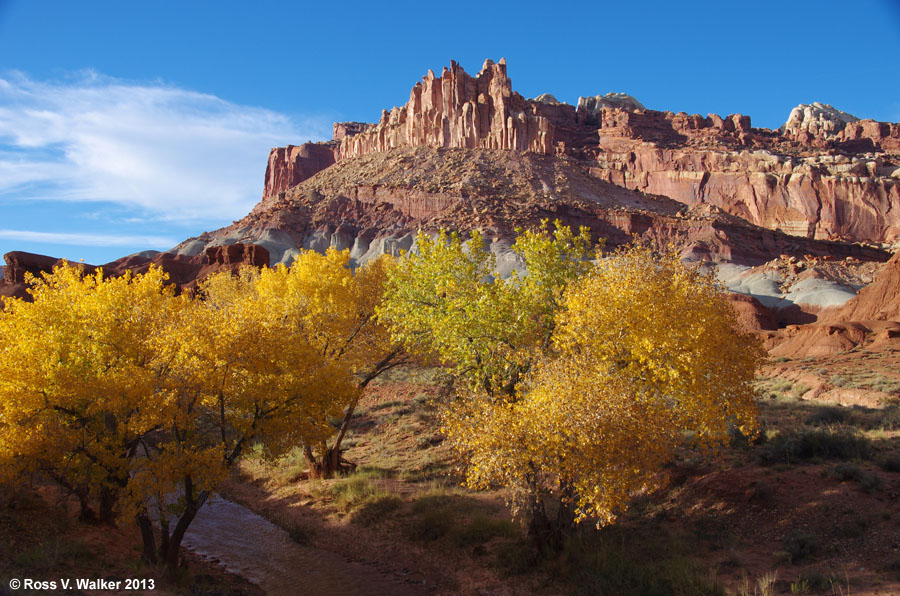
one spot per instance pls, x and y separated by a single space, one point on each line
238 254
291 165
339 130
820 340
880 300
752 316
457 110
821 125
789 181
19 263
825 197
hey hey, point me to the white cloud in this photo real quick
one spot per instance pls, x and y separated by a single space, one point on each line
75 239
175 154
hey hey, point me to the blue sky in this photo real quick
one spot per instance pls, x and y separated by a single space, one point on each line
133 125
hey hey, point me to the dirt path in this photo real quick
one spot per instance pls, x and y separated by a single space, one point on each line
254 548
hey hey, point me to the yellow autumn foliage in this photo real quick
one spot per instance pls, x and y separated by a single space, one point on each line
80 374
616 362
119 386
448 301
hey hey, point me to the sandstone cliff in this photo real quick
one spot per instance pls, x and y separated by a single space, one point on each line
289 166
825 175
458 110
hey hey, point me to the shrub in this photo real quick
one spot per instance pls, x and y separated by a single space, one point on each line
890 463
299 534
516 557
375 509
611 563
799 546
795 446
827 415
817 580
353 490
846 472
480 529
430 525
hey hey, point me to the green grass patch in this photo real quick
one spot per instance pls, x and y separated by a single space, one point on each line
622 562
480 528
361 486
814 444
376 509
462 521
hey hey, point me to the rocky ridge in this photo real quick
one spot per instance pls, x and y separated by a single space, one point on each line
826 175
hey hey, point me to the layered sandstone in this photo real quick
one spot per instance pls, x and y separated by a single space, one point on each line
816 120
458 110
238 254
619 101
826 175
375 203
339 130
823 196
291 165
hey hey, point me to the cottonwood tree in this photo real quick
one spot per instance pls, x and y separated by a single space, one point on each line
334 307
641 350
271 356
245 371
81 368
121 390
447 301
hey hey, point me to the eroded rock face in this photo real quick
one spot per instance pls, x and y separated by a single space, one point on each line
291 165
458 110
238 254
547 98
348 129
817 120
822 196
880 300
19 263
621 101
827 175
752 316
822 125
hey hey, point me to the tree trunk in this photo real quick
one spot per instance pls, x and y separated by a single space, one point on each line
148 539
190 512
542 530
550 535
331 462
163 536
565 515
85 513
107 506
328 465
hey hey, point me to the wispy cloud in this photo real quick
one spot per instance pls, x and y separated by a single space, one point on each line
75 239
172 153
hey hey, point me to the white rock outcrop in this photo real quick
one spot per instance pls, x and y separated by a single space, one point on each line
622 101
817 119
547 99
